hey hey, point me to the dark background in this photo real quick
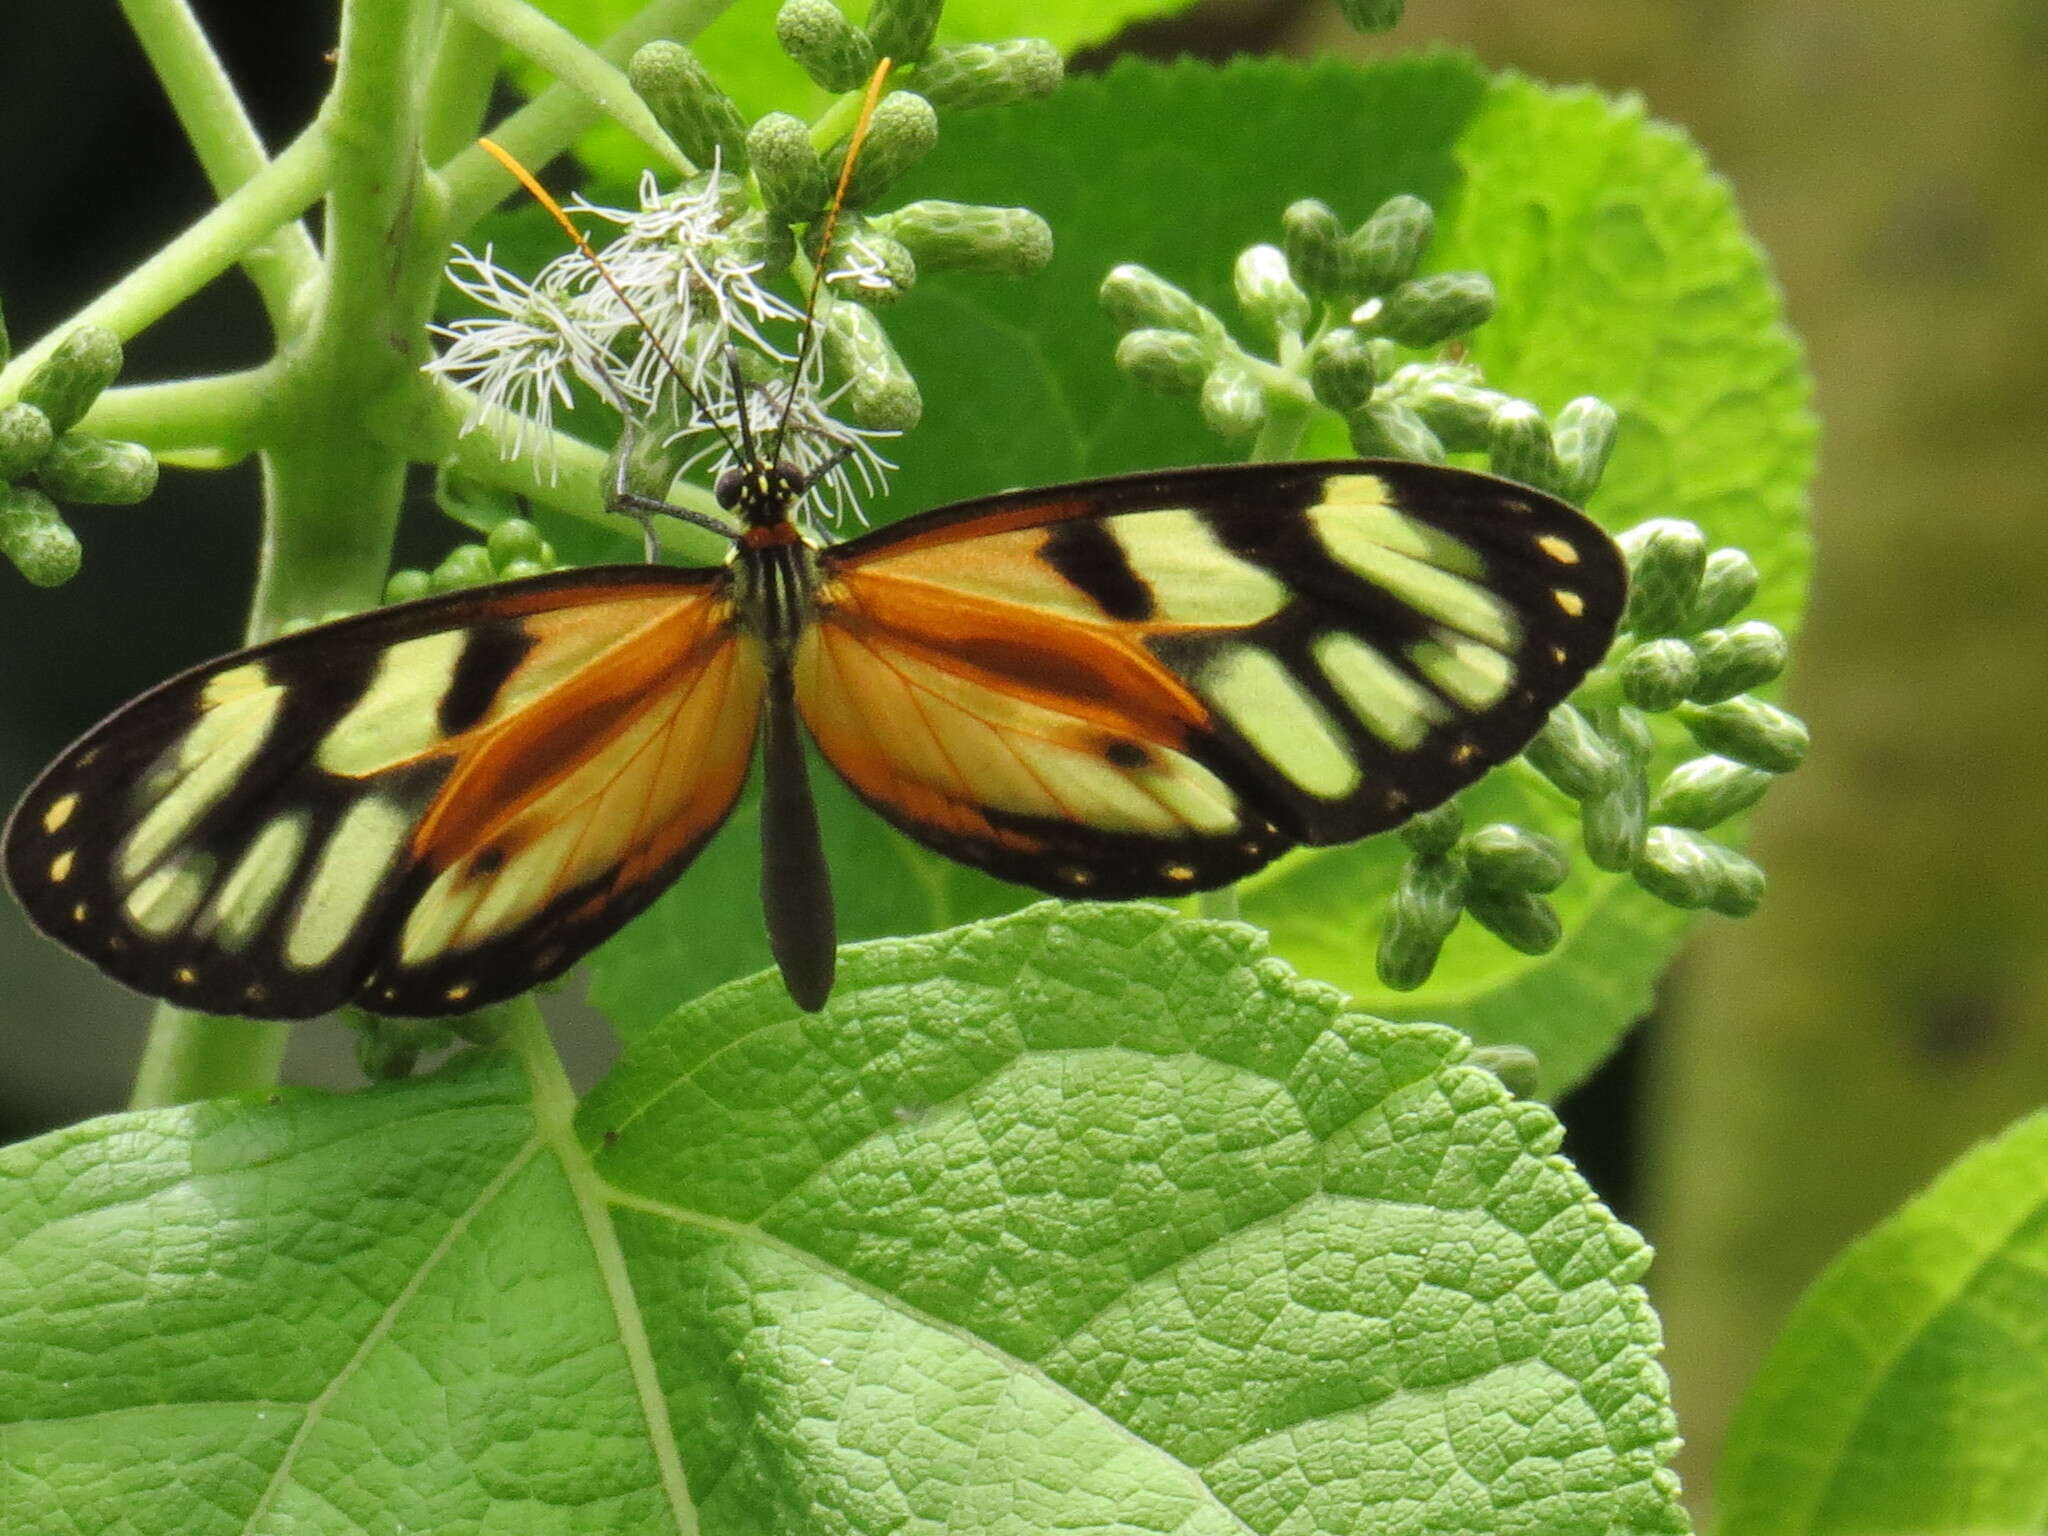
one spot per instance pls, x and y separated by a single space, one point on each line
1817 1062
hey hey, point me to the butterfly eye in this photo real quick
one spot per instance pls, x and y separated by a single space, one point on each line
731 486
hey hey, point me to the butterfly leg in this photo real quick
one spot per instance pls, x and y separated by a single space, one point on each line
645 509
796 885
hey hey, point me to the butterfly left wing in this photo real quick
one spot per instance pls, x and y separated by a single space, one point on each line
422 809
1159 683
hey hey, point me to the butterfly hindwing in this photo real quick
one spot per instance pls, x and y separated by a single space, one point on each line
421 809
1159 682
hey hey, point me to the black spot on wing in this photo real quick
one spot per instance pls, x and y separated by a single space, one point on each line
1086 553
490 654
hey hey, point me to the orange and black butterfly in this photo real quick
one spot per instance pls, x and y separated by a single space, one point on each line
1140 686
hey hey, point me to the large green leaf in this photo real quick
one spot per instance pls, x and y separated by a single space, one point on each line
1909 1390
1087 1218
1623 272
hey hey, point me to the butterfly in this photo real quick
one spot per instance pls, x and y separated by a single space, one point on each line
1146 685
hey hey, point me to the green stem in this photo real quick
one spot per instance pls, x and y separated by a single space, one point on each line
273 197
333 490
221 414
1221 903
527 32
229 149
200 1056
548 124
459 85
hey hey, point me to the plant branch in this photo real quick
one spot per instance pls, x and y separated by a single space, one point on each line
276 195
548 124
221 414
333 493
193 1056
533 36
459 84
228 147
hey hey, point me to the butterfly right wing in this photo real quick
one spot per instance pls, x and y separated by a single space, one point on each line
421 809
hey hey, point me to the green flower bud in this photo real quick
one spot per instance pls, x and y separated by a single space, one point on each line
1460 414
1665 560
786 167
1386 429
881 395
1371 15
1382 253
97 471
1314 243
71 378
388 1050
690 106
1750 731
729 190
1686 870
902 29
514 539
519 570
1232 403
1429 310
969 75
1134 297
25 436
1613 822
1584 436
1572 755
1659 674
1267 292
1516 1066
1736 660
830 49
1423 910
760 239
1340 370
1520 447
1706 791
943 237
1726 587
38 541
1627 730
467 565
1172 362
1501 857
901 133
874 268
405 584
1524 922
1436 831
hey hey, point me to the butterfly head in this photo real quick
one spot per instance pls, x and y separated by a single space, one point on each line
762 494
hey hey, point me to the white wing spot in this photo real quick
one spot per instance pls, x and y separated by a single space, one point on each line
1573 605
59 812
1476 676
245 899
60 866
1193 578
1280 719
1394 707
360 850
1558 549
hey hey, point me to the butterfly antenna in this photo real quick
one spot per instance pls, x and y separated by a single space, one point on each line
853 147
541 195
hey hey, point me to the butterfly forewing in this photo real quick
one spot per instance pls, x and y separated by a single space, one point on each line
421 809
1160 682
